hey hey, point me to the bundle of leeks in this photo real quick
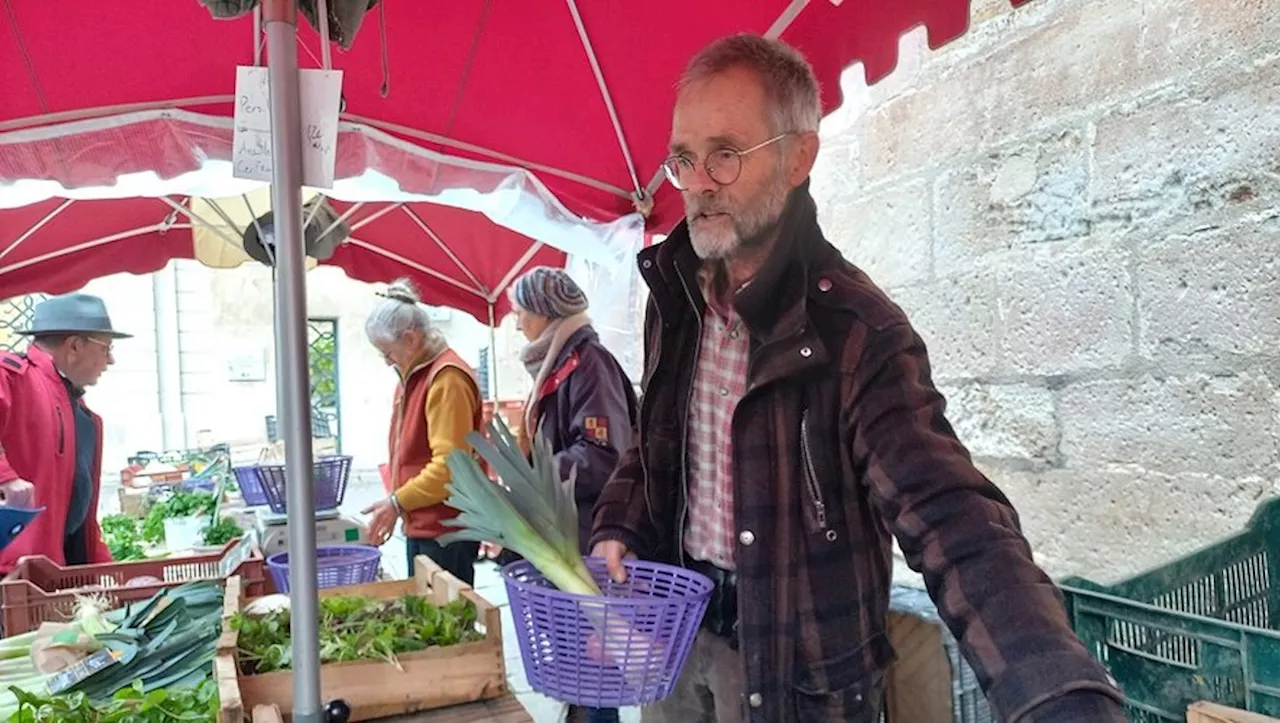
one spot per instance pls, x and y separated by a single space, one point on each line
166 640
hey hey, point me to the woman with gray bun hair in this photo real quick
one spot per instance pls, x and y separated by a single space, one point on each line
437 404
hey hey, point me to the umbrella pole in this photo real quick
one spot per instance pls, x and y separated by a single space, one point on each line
281 18
493 357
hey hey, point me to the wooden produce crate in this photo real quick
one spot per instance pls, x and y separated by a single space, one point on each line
498 710
432 678
39 589
1205 712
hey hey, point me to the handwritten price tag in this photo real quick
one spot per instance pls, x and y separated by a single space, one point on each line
321 96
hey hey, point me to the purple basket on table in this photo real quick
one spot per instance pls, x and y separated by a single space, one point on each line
331 475
336 565
623 649
250 484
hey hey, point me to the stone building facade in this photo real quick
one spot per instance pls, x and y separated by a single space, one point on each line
1078 203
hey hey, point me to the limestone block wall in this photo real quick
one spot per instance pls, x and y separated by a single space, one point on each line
1078 204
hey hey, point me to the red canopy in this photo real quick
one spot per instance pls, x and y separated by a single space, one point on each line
448 250
535 84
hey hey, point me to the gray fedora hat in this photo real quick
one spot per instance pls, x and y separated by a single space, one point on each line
72 314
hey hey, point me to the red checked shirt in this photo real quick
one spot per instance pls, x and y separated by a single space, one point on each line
719 381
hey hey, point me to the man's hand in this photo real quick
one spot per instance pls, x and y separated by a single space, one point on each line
18 493
613 553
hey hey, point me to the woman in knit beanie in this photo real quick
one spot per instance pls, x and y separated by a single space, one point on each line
582 402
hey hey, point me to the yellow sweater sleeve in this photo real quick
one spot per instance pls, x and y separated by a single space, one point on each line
451 410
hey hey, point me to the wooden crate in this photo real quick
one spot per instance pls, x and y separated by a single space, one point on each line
918 688
499 710
432 678
1206 712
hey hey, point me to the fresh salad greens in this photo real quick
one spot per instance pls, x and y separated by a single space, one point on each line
123 537
129 705
224 531
181 504
356 628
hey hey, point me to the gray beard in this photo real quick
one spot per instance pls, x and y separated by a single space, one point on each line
752 226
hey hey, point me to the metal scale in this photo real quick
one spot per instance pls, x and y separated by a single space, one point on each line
332 528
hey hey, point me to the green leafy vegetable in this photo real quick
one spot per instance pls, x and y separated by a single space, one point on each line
223 532
181 504
132 704
356 628
123 537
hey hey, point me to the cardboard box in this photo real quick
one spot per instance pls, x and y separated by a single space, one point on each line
1205 712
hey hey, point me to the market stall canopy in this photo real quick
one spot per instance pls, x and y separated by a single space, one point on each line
579 93
463 234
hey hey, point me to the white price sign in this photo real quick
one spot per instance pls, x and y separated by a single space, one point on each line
321 97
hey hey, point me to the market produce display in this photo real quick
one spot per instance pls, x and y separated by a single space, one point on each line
157 649
126 536
123 538
353 627
129 705
533 513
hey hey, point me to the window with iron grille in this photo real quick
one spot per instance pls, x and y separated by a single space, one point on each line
16 315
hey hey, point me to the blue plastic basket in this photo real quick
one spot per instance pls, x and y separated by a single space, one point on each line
331 475
250 484
336 565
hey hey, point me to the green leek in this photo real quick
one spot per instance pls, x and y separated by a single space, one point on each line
537 518
535 515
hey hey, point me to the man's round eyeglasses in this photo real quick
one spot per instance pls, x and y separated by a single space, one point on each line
723 165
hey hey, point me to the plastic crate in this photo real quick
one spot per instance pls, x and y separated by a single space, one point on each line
968 702
39 589
1203 627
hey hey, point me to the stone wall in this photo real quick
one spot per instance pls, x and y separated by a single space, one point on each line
1078 203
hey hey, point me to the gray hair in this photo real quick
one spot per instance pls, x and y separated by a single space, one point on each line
399 312
790 86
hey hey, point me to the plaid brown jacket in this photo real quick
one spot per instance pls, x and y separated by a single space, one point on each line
839 442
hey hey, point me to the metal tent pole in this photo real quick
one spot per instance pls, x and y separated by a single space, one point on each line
281 18
493 358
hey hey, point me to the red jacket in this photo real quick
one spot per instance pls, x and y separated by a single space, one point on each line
37 443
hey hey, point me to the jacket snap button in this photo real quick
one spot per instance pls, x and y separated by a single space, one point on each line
806 352
746 537
824 284
857 698
647 263
756 700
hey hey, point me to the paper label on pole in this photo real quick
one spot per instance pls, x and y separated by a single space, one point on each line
320 94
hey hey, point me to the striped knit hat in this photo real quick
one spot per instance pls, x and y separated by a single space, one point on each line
549 292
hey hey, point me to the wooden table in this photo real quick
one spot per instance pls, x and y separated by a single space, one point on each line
500 710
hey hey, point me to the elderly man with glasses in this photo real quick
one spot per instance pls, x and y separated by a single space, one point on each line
789 427
50 443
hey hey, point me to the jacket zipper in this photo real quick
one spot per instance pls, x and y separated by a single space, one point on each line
811 479
684 437
62 432
644 467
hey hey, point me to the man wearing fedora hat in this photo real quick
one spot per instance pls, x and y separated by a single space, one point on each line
50 443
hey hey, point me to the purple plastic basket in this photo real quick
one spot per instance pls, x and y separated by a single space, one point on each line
250 485
336 565
625 648
330 483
